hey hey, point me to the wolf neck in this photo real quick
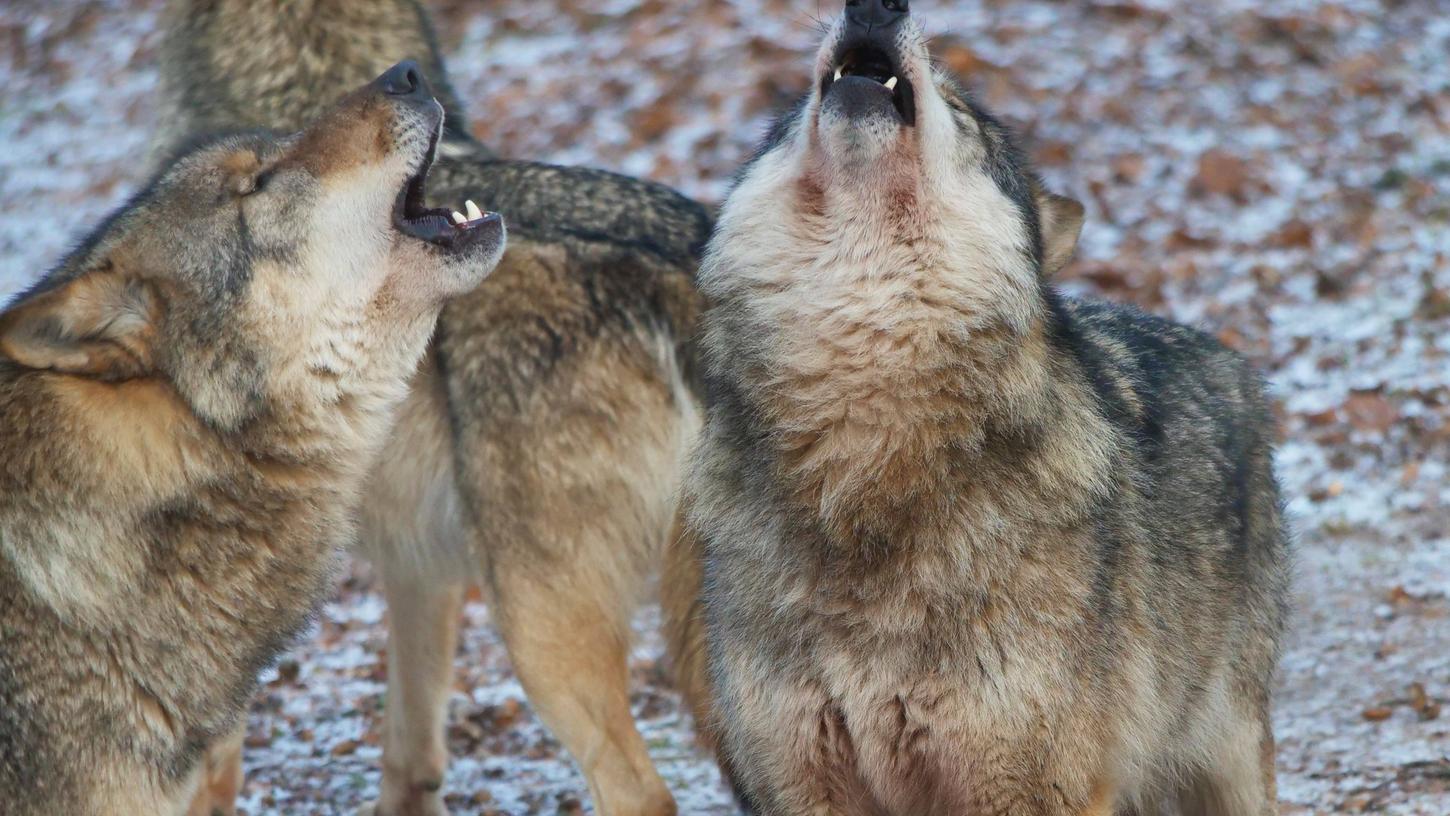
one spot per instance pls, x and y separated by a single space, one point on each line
900 352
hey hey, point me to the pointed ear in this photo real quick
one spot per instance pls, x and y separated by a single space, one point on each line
101 325
1061 220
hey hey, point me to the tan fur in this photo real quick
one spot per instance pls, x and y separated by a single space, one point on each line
684 620
565 563
1062 219
221 777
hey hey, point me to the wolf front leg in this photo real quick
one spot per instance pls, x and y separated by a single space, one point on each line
422 638
412 534
221 777
787 746
1241 780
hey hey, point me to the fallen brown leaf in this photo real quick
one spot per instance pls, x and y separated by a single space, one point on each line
1422 704
1370 411
1222 173
1377 713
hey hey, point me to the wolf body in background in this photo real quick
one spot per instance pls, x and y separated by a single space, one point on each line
540 449
972 547
189 405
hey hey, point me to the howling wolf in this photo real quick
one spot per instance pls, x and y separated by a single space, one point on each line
189 407
971 547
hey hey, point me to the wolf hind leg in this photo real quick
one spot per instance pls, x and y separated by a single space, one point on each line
574 497
568 635
1240 780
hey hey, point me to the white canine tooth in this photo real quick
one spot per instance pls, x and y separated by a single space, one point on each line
891 84
838 73
474 213
458 217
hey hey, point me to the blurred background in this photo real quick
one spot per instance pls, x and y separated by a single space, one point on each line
1277 173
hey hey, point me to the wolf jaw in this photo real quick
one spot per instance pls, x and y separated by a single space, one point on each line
878 64
452 230
876 104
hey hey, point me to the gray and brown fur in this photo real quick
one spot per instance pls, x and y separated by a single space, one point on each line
971 547
541 447
189 406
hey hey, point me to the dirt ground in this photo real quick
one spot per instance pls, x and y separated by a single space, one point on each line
1278 173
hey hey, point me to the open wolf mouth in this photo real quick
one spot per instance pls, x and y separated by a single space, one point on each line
873 63
439 226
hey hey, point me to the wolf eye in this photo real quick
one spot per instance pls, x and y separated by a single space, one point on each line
244 185
248 184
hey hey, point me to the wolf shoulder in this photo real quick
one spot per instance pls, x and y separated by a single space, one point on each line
1195 431
1151 374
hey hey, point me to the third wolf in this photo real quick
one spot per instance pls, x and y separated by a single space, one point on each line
972 547
540 451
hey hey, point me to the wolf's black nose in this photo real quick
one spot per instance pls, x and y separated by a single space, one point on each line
873 13
403 79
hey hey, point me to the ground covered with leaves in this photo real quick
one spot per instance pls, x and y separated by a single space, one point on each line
1276 173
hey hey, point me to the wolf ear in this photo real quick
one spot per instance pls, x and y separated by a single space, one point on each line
1060 218
101 325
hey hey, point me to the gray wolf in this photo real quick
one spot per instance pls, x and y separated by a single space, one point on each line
540 450
971 547
189 405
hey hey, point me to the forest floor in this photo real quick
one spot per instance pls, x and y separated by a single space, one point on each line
1278 174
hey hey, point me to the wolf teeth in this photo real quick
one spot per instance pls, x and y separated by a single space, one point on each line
891 84
459 218
474 213
838 73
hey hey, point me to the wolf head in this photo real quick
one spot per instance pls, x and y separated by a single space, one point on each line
887 162
260 268
277 64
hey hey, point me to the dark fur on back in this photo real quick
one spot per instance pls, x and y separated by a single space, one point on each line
233 64
230 67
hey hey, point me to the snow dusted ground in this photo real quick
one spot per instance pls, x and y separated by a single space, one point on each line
1278 173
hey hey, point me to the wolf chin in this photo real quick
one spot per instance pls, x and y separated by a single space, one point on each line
970 546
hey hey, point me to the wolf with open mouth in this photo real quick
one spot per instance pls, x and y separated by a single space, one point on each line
189 407
970 547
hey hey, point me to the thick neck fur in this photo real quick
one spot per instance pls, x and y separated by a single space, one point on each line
129 525
888 326
141 479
